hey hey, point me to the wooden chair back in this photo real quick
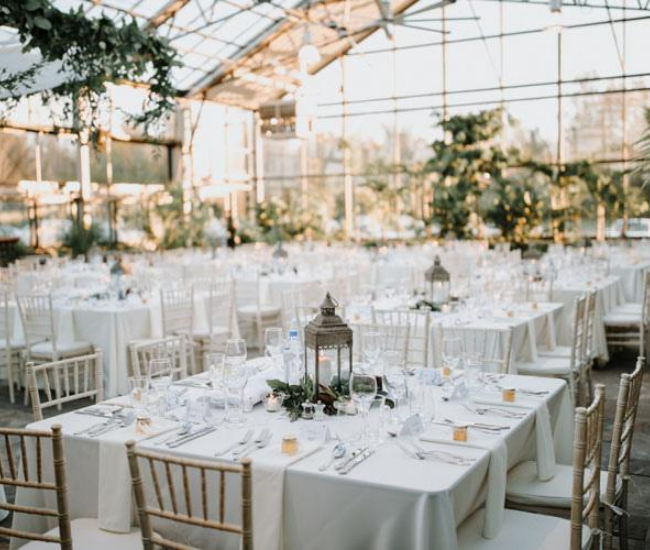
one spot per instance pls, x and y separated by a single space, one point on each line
585 495
578 342
221 307
37 318
393 338
65 381
615 494
177 305
173 348
174 505
16 474
419 328
589 320
6 324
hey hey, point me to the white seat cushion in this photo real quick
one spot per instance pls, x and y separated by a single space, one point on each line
559 351
546 366
14 345
614 319
265 311
524 488
521 531
86 534
628 307
205 334
65 349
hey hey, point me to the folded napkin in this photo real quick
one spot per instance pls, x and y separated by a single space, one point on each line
268 481
114 506
545 448
497 474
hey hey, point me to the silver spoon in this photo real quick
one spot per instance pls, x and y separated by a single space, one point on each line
338 451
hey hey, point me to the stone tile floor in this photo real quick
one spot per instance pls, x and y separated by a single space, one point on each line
18 416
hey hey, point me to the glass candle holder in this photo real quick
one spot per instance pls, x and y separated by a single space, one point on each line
289 445
273 402
509 395
460 433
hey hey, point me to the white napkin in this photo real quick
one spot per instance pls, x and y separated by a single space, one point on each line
497 474
268 484
114 505
545 448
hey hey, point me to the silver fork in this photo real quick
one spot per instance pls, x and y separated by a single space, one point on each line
482 411
240 442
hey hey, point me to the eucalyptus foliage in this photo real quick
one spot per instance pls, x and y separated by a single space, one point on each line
93 52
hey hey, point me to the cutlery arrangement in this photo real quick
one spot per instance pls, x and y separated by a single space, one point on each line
243 440
356 461
338 452
497 411
190 436
418 453
109 425
259 442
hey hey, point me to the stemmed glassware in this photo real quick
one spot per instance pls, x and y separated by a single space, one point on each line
452 351
363 389
395 377
372 345
235 378
273 340
216 368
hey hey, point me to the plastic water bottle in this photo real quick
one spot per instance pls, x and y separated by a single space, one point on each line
292 356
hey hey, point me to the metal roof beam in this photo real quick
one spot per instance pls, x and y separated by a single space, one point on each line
168 11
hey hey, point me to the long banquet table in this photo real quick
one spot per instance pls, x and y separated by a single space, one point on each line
389 501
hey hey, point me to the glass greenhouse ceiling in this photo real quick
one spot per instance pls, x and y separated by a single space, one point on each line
245 52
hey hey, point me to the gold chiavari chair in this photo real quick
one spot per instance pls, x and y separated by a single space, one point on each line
65 381
173 348
40 475
537 531
167 504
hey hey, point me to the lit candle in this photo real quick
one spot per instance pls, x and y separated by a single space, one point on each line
273 403
324 369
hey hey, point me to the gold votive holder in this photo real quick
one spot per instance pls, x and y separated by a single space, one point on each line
509 313
535 306
290 445
509 395
446 371
460 433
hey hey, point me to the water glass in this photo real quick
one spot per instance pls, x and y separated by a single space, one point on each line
473 370
273 340
371 347
139 394
216 367
452 351
363 389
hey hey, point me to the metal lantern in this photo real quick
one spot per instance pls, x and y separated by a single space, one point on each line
327 336
439 282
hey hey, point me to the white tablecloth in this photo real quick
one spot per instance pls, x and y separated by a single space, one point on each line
390 501
631 274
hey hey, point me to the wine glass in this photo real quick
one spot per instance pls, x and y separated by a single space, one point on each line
371 347
452 351
396 381
273 340
235 378
363 389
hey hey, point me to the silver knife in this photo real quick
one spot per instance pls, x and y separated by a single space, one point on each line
242 441
354 454
355 462
190 437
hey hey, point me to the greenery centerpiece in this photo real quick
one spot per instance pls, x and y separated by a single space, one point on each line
91 52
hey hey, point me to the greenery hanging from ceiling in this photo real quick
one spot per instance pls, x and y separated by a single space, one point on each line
93 52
